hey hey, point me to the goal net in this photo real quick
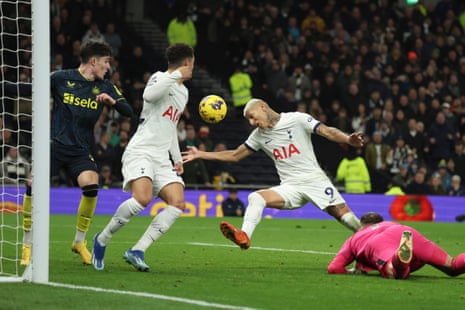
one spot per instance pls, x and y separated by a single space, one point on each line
24 128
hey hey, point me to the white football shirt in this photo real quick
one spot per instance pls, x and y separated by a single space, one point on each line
164 102
289 145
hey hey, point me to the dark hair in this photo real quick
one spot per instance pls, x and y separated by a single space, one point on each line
177 53
94 49
371 218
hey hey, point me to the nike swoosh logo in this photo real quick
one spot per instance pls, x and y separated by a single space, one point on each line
268 141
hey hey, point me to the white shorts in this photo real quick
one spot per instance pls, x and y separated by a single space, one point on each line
321 193
161 172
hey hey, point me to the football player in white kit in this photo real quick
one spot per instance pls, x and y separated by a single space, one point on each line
286 139
148 167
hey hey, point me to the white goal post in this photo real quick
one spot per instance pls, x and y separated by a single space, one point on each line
14 15
40 141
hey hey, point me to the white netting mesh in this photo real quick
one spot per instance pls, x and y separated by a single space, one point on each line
15 127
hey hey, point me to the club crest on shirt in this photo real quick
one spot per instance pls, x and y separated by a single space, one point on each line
95 90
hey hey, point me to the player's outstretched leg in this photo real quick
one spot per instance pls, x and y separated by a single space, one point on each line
98 254
403 257
136 258
237 236
405 250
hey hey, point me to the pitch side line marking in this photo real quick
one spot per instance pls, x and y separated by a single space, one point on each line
150 295
262 249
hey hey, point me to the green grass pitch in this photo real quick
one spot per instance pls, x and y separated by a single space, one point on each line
195 267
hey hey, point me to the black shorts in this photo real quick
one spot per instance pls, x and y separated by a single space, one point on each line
72 161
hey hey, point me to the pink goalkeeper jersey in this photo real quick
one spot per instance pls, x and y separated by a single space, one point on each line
372 247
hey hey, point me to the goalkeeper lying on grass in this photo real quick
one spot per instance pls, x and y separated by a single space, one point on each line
393 249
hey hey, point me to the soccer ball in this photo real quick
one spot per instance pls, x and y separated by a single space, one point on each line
213 109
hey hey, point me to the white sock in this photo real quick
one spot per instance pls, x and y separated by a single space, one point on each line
27 237
350 221
253 213
159 225
79 236
126 210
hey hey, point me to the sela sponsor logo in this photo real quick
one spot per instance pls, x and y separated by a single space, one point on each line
87 103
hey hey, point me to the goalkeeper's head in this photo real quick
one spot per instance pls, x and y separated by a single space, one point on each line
370 218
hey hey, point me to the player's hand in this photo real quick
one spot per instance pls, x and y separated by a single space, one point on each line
179 168
190 154
356 139
105 98
186 72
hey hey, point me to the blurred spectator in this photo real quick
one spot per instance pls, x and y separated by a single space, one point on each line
241 85
313 23
329 90
397 156
232 205
136 65
435 185
181 128
181 29
354 172
93 34
221 172
342 121
456 188
418 185
451 119
374 122
459 158
444 174
113 38
298 82
106 178
360 118
14 167
441 139
104 154
415 137
403 177
351 98
376 154
113 129
119 150
195 172
191 137
276 79
204 138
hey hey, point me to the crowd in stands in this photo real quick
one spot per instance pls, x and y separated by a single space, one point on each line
393 71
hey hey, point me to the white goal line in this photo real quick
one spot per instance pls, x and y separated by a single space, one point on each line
150 295
262 249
